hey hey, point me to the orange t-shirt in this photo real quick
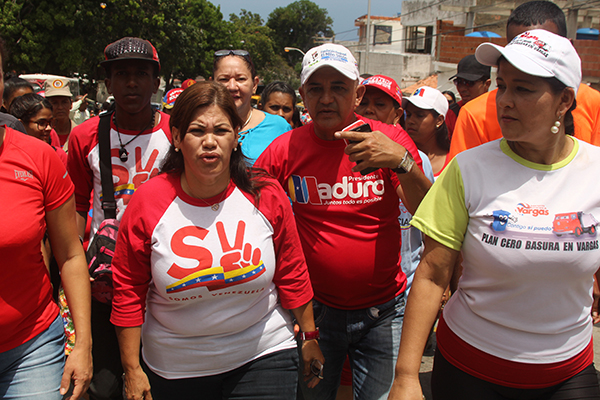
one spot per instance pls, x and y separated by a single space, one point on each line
477 121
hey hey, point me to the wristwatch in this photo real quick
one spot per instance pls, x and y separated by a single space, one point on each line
406 164
310 335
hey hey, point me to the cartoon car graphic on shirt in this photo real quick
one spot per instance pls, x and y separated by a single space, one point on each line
576 223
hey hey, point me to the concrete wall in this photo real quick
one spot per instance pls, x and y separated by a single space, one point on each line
397 44
425 13
406 69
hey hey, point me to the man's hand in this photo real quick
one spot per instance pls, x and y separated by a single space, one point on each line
371 150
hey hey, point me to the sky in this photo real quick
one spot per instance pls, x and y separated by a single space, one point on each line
343 12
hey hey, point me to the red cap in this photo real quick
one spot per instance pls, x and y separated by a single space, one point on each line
386 84
187 83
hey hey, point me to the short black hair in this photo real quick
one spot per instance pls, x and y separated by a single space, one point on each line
27 106
450 93
13 84
277 87
538 12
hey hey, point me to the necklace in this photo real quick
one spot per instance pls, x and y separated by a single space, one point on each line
123 153
216 206
249 117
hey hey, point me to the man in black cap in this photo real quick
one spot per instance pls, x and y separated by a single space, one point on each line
139 140
472 79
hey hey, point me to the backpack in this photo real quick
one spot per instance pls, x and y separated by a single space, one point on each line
102 246
99 257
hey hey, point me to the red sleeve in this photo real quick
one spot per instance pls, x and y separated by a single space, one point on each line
131 265
54 139
450 123
272 158
291 275
82 140
56 183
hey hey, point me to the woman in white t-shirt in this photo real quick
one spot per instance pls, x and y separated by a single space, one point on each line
207 258
524 217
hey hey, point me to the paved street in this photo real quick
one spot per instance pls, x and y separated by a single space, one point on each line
427 364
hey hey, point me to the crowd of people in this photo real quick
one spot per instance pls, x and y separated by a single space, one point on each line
267 253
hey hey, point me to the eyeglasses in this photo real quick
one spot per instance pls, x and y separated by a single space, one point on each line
464 82
43 123
224 53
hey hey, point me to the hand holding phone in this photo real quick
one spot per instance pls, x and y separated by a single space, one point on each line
360 126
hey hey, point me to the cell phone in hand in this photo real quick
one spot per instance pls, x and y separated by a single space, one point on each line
360 126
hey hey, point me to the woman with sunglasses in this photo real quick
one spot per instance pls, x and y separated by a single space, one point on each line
207 258
235 70
35 113
523 214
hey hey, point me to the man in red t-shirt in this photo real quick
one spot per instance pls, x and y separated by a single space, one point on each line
348 221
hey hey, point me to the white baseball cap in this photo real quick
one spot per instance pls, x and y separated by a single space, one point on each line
329 55
538 53
428 98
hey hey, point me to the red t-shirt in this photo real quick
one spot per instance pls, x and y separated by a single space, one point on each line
348 223
33 181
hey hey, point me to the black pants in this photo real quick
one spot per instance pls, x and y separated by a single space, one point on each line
107 383
270 377
451 383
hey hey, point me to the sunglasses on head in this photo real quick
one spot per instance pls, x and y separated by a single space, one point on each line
224 53
461 81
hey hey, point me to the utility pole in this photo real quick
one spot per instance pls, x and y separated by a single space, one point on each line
368 39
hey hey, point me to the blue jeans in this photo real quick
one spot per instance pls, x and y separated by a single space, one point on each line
34 369
370 337
270 377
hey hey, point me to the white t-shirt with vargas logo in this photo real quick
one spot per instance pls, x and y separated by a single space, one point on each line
528 237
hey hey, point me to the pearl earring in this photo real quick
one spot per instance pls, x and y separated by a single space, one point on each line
176 149
556 127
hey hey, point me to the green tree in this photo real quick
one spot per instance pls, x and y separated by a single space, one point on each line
297 24
257 39
70 36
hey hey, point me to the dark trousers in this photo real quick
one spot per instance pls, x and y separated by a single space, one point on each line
107 383
271 377
451 383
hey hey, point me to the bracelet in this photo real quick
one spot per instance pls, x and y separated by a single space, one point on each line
310 335
405 165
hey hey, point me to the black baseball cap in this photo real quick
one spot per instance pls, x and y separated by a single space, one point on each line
472 70
130 48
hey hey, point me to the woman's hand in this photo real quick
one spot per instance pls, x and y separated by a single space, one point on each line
136 385
78 371
313 362
406 389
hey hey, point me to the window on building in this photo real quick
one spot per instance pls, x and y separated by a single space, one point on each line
382 34
419 39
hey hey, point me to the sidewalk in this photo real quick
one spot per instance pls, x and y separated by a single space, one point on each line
427 364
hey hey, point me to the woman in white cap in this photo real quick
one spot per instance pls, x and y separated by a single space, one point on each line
425 115
522 214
